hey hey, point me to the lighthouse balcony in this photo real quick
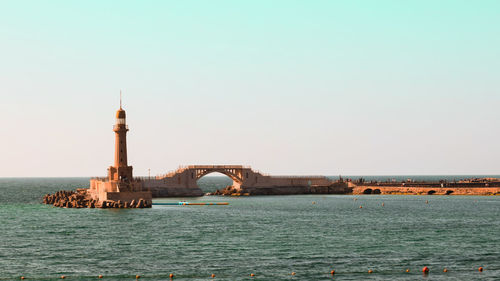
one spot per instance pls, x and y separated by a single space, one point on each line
120 127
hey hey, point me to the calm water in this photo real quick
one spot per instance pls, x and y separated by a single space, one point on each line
268 236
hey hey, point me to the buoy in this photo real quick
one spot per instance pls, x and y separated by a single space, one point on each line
62 276
383 204
137 276
314 202
332 272
213 275
425 270
480 269
370 271
252 275
426 201
22 277
100 276
361 207
407 270
293 273
445 270
171 275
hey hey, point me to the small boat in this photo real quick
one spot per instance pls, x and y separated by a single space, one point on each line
184 203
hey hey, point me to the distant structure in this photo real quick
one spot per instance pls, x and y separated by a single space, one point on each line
119 185
478 186
183 182
121 190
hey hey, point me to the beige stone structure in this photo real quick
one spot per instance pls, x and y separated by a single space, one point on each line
183 182
120 184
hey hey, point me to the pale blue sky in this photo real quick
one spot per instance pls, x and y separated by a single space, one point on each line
288 87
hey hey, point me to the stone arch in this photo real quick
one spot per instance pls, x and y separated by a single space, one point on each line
231 173
368 191
448 192
376 191
430 192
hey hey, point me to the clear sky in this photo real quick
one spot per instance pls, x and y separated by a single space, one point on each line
288 87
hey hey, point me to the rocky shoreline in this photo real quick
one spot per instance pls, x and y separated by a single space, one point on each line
80 199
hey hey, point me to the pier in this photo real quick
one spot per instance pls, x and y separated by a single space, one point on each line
246 181
486 186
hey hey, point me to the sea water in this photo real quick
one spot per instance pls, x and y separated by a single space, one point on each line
269 236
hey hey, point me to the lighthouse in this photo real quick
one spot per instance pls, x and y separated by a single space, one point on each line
120 171
119 189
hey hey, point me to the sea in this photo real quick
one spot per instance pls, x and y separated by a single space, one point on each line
302 237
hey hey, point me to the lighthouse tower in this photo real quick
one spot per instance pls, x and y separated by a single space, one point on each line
119 189
120 171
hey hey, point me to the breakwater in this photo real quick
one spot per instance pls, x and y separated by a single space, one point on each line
476 187
247 182
298 189
81 199
479 186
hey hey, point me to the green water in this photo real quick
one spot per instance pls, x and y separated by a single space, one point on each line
268 236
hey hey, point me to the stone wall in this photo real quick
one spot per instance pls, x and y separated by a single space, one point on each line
172 187
430 190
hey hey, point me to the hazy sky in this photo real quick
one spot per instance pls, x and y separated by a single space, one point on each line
288 87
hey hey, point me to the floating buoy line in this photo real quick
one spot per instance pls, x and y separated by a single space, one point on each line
425 271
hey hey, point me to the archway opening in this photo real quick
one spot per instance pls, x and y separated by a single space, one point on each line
431 192
367 191
448 192
376 191
214 181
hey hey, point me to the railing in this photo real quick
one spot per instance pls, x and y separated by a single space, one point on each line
431 184
181 169
298 177
134 179
215 167
145 178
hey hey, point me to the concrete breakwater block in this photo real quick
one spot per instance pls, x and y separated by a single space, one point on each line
80 199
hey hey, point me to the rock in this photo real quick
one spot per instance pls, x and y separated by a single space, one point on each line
141 203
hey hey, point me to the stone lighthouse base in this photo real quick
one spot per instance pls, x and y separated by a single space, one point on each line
81 199
103 194
111 193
